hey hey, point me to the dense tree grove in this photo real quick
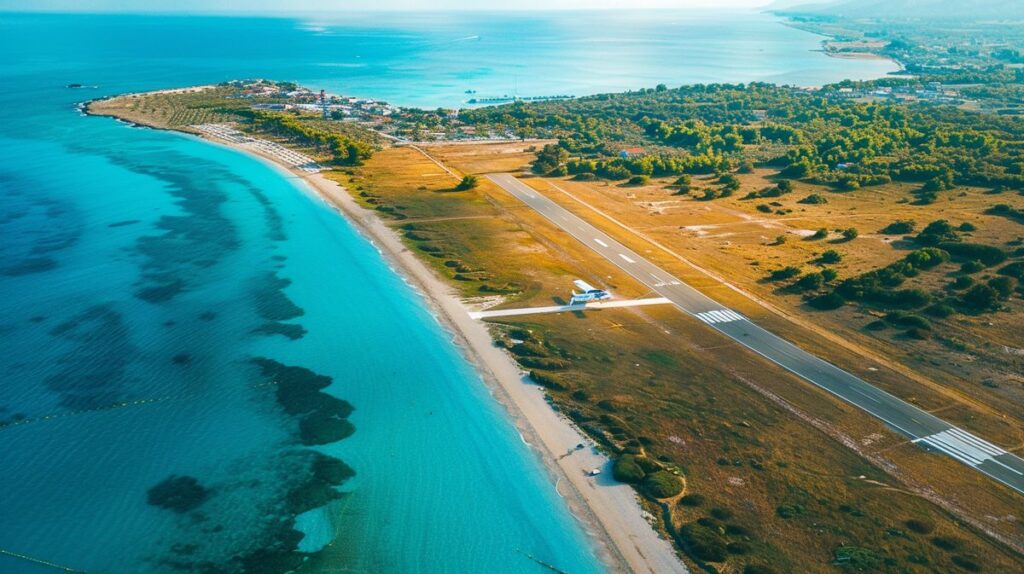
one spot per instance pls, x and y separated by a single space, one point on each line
344 150
819 136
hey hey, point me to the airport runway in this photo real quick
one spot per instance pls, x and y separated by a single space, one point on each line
920 426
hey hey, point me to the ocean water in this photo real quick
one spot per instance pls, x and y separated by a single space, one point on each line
171 308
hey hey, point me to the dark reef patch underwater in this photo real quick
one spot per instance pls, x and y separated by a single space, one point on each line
271 491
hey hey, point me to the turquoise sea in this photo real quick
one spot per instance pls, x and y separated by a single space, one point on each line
170 308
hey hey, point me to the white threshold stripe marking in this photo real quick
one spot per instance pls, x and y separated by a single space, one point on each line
966 447
979 443
719 316
626 259
601 243
954 454
962 448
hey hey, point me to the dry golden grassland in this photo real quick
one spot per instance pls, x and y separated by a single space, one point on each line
773 457
975 360
176 109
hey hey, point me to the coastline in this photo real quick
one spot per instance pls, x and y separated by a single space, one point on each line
828 39
609 511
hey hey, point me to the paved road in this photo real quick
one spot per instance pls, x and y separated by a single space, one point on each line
918 425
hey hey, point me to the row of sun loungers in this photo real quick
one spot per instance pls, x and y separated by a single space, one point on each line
289 157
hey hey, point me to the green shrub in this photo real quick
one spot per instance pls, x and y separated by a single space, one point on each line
940 310
850 233
1015 270
828 301
967 563
962 282
627 470
662 484
546 363
981 298
757 569
814 199
936 232
738 548
927 257
1003 285
899 227
908 320
692 500
639 180
947 543
784 273
830 256
736 530
547 381
704 543
469 182
918 333
789 510
971 266
856 558
810 281
648 465
819 234
721 513
986 254
764 208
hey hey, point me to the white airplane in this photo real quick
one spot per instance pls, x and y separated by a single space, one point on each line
589 293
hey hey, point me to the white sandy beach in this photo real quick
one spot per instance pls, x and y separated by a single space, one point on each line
609 510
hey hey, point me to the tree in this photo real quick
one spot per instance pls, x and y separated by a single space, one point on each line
899 227
819 234
830 256
981 298
626 469
662 484
810 281
469 182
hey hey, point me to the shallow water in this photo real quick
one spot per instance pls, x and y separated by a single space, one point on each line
142 272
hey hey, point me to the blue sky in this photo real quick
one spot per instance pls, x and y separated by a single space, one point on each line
249 6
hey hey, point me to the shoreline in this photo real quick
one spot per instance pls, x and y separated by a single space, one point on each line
609 512
827 38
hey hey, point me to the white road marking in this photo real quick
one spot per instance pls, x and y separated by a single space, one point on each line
601 243
626 259
863 394
965 447
719 316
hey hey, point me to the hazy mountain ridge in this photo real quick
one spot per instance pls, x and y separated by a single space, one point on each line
909 9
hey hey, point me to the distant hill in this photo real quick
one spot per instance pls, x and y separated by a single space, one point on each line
973 10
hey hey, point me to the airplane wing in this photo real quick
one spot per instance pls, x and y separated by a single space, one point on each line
583 285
